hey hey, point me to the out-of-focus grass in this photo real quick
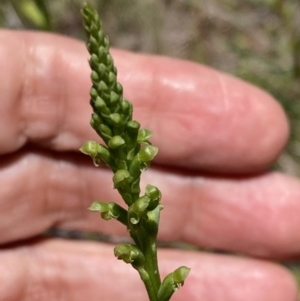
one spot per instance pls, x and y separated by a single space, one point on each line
258 41
296 272
295 268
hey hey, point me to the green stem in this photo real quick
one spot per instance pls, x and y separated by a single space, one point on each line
152 293
152 282
154 263
148 246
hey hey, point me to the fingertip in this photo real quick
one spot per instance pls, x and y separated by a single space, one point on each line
263 131
211 120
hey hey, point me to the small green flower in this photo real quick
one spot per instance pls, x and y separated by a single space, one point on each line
172 283
130 254
110 211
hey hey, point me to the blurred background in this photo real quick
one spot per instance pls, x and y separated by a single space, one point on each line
256 40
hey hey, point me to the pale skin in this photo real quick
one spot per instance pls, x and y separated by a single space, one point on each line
217 137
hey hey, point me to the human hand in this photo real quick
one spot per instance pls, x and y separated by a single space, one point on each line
216 137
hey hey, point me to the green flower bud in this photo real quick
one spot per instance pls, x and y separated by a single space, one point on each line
100 35
132 147
101 53
114 98
87 29
95 121
94 93
111 77
172 283
143 135
92 44
131 153
94 30
116 142
101 105
109 58
90 148
117 119
126 107
121 163
135 186
105 131
138 209
180 274
147 153
133 126
130 254
102 86
110 211
136 167
94 76
119 89
154 194
94 61
122 178
102 68
153 220
99 153
106 42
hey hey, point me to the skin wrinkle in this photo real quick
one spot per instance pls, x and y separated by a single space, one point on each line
71 206
33 223
283 226
190 200
227 124
230 219
225 99
52 189
39 280
18 192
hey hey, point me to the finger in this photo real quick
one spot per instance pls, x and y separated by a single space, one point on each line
257 216
74 271
201 118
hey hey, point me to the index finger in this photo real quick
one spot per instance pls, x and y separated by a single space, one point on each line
201 118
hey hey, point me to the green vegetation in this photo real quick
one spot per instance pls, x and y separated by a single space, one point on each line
127 152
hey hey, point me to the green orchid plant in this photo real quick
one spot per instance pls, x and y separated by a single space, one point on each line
127 151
